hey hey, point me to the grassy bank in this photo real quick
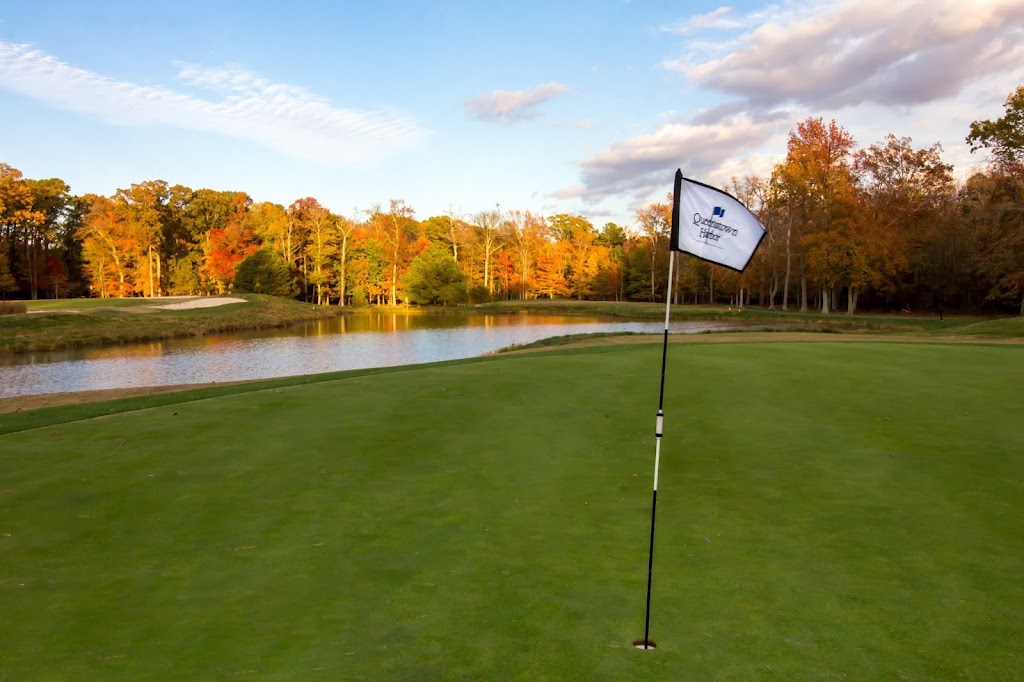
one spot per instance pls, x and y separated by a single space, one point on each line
825 510
751 315
95 322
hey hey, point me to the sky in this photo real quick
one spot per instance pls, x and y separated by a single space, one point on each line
581 107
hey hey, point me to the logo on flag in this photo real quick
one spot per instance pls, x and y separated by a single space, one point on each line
699 226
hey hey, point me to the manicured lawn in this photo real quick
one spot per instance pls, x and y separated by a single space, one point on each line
825 511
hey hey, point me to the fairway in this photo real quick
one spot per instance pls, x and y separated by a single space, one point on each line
847 511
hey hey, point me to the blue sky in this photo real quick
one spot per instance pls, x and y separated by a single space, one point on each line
583 107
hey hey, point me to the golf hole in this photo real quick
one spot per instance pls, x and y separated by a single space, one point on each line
639 644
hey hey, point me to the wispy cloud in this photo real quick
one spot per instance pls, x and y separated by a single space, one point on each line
719 19
511 106
286 118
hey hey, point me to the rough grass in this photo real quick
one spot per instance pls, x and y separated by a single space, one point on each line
1010 327
93 303
825 510
124 323
13 307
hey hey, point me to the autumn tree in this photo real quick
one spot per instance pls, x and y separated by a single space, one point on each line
229 245
549 279
20 223
142 206
817 179
7 283
369 270
107 246
269 222
655 224
610 278
315 221
1004 138
396 231
487 226
525 234
577 235
43 233
990 211
903 194
342 230
448 229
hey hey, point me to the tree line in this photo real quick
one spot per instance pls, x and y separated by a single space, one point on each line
884 226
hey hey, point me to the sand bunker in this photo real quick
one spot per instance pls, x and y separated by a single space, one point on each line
205 302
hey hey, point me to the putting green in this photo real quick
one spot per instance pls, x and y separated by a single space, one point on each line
848 510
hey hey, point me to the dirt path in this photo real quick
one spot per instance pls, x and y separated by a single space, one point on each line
34 402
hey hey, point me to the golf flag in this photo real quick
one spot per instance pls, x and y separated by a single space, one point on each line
713 225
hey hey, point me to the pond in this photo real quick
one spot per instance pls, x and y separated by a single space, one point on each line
353 341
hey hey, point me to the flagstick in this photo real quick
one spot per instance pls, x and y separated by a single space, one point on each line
657 446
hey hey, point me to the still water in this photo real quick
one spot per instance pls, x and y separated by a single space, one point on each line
351 342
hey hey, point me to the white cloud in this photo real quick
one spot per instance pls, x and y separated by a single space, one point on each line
286 118
859 51
916 68
511 106
641 165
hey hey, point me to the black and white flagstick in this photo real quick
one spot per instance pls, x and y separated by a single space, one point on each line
659 420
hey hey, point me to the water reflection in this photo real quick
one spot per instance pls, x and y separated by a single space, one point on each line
351 342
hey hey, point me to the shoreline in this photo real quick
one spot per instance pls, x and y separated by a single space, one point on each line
25 403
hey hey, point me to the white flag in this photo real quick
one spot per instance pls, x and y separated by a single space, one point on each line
713 225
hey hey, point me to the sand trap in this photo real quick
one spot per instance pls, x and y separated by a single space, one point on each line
205 302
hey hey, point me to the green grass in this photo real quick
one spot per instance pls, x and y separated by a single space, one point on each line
825 511
104 324
567 339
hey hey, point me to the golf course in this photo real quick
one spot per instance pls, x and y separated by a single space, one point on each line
826 510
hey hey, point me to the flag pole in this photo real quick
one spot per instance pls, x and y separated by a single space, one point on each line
659 420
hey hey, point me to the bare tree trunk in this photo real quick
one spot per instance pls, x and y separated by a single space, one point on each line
851 300
30 265
789 263
803 293
824 300
394 283
711 286
344 257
